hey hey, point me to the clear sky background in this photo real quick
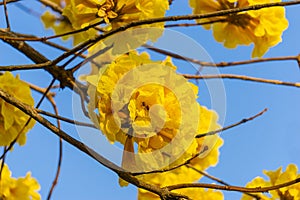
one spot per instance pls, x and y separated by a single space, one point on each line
268 142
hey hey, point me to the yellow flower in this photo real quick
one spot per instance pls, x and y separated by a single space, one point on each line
278 177
62 25
13 120
25 188
117 12
262 27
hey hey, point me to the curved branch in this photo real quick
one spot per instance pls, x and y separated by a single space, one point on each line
221 64
71 121
241 77
232 125
52 5
232 188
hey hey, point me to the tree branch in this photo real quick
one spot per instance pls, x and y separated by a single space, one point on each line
232 125
220 64
29 110
232 188
8 1
241 77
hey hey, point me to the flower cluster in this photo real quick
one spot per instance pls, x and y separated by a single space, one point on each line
103 15
25 188
62 26
262 27
136 112
13 120
152 115
187 173
275 178
113 12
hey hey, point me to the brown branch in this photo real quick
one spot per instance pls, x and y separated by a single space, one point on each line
8 1
220 64
219 180
71 121
52 5
194 24
51 44
232 125
60 146
49 96
6 15
65 78
25 67
29 110
244 62
41 39
2 162
233 188
242 77
185 163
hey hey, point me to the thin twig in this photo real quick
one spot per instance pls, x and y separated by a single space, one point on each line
71 121
2 160
233 188
242 77
6 15
55 7
51 44
171 168
219 180
194 24
232 125
220 64
25 67
60 148
244 62
45 38
8 1
50 98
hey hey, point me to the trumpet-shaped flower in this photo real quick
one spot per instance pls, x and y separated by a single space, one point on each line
13 120
275 178
25 188
262 27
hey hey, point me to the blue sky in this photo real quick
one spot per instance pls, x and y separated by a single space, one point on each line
268 142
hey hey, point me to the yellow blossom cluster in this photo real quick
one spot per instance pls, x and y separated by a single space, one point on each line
262 27
152 116
104 14
275 178
186 174
136 113
25 188
62 26
114 12
13 120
